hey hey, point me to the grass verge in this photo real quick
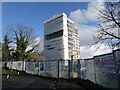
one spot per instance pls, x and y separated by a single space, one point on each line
7 71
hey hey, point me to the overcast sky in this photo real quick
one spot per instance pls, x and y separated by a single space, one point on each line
84 15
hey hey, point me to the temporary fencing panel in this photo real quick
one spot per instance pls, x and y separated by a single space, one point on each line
18 65
9 64
105 71
45 69
32 67
48 68
63 69
102 70
90 72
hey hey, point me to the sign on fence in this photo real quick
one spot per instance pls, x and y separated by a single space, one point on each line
36 64
41 66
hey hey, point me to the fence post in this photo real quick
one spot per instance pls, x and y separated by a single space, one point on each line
58 68
24 62
116 63
79 68
72 65
68 68
38 68
94 70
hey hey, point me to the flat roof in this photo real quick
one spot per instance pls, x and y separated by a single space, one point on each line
54 17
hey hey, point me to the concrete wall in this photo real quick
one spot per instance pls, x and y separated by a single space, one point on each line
65 37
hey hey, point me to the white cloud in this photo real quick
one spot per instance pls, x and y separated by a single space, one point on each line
36 41
28 48
91 14
39 42
83 19
13 46
89 52
86 34
77 16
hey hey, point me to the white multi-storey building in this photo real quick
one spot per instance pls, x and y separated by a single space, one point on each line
61 38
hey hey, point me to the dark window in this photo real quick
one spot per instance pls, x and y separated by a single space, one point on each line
54 35
50 48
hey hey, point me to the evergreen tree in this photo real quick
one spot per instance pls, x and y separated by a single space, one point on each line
5 49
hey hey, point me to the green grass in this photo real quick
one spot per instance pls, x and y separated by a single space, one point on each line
6 71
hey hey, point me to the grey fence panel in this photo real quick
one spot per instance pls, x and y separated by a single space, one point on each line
82 69
89 69
74 69
54 69
9 64
32 67
77 69
101 70
28 67
36 68
41 68
105 71
117 61
2 63
63 69
48 68
18 65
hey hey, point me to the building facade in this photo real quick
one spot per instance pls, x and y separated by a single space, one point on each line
61 38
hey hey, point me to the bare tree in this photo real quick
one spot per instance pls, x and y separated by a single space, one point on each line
109 25
22 36
109 30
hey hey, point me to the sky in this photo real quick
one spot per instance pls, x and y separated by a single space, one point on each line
34 14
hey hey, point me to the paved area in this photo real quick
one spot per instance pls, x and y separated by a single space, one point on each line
62 84
24 81
29 81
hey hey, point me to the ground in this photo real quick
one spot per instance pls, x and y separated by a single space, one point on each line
30 81
13 79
